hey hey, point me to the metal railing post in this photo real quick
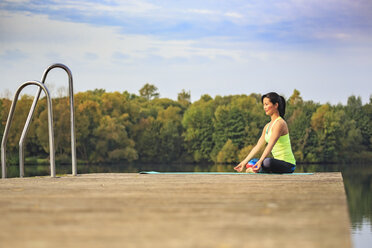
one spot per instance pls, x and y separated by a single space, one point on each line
31 113
50 127
24 132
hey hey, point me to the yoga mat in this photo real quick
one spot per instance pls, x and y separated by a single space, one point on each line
218 173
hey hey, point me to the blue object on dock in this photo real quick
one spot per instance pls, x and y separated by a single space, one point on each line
219 173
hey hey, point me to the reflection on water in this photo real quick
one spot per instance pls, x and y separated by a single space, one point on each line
358 187
362 234
357 181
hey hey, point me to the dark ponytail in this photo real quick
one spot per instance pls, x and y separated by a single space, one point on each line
275 98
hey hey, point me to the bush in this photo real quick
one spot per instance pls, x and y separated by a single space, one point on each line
244 152
228 153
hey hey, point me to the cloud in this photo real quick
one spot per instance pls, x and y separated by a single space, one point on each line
283 21
13 55
202 11
202 46
234 15
91 56
120 56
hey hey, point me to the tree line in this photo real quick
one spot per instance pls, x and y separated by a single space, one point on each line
114 127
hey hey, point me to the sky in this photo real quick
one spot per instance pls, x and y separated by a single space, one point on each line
323 48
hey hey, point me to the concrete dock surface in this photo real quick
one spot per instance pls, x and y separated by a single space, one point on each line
135 210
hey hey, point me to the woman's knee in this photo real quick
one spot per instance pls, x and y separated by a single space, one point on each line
267 162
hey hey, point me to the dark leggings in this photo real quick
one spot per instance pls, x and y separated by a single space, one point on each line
271 165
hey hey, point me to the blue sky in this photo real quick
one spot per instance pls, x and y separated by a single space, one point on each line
323 48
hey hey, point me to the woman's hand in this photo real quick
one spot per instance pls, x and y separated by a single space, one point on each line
257 166
240 167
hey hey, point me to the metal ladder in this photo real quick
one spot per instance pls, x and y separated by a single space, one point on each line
50 116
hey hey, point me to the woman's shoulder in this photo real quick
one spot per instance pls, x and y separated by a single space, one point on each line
282 124
281 121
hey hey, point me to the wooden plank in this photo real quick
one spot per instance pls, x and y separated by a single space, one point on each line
133 210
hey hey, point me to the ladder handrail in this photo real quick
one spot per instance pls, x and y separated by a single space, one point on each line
50 127
31 113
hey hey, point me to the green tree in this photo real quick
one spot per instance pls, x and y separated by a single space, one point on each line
88 116
147 138
220 134
228 153
62 132
113 127
184 97
295 98
4 111
149 91
198 124
359 113
326 122
170 136
19 120
112 140
229 124
2 114
299 114
61 124
367 134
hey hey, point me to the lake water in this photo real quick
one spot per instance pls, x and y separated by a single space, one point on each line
357 181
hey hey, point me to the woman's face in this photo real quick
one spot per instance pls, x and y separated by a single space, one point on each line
269 107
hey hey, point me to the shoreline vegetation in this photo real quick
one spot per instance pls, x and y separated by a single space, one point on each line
35 161
114 127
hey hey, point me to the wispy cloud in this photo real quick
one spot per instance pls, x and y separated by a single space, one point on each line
234 15
287 20
13 55
195 43
202 11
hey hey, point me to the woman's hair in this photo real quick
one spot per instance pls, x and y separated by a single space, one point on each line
275 98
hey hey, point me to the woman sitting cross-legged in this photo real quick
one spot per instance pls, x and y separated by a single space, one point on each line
276 135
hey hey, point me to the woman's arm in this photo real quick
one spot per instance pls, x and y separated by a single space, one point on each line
258 146
276 132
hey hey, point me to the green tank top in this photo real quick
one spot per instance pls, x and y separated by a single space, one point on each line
282 149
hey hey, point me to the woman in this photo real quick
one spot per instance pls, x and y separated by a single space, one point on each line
275 134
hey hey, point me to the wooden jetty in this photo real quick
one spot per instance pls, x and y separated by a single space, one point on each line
135 210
